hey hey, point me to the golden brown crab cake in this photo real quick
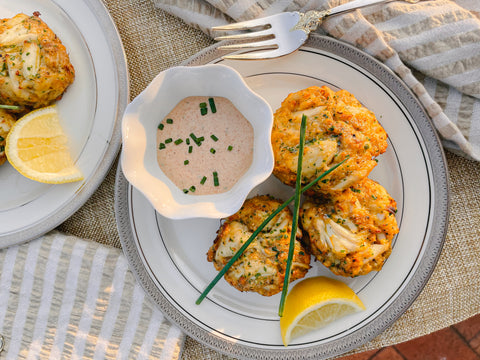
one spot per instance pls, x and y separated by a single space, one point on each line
351 233
261 268
338 127
35 68
6 122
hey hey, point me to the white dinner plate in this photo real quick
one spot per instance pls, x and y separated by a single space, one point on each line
90 110
169 257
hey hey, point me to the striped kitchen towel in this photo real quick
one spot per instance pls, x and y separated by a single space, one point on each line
434 46
62 297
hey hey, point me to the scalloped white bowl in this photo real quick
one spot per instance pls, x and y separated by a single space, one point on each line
139 128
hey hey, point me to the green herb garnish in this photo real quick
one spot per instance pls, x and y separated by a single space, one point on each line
214 138
169 121
178 141
296 207
203 108
212 105
215 179
10 107
195 139
203 180
257 231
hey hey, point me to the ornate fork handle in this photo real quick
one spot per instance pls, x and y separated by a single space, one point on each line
310 20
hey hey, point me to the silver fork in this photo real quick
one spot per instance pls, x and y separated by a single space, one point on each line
283 33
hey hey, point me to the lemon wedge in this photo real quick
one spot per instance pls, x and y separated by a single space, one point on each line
37 147
315 302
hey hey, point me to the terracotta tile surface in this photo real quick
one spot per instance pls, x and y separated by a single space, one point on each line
458 342
469 328
475 344
388 353
366 355
444 344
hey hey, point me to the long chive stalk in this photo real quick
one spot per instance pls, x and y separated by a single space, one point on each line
296 208
257 231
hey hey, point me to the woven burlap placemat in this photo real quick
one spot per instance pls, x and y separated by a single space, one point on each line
154 41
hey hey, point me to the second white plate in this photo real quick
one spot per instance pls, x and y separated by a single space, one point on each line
90 112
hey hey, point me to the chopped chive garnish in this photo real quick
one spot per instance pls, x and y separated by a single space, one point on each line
195 139
215 179
190 149
230 148
185 191
213 151
214 138
296 208
203 111
178 141
199 140
187 140
169 121
192 188
239 253
168 141
203 105
160 126
10 107
186 162
203 180
212 105
161 146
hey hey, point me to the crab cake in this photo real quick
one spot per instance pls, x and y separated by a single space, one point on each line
261 268
351 233
35 68
6 122
338 127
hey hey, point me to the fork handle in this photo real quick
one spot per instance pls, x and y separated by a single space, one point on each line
310 20
356 4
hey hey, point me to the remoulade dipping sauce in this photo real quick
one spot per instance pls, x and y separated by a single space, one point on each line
204 145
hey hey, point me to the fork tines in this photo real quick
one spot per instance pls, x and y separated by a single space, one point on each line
263 38
243 25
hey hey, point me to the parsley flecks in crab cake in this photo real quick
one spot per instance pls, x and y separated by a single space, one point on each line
35 68
338 126
261 268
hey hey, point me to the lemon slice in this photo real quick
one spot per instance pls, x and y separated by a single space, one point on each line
315 302
38 148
